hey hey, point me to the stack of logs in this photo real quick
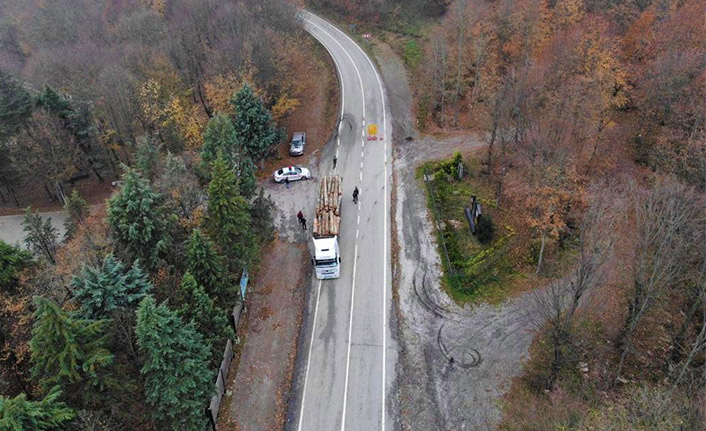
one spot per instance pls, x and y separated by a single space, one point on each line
327 220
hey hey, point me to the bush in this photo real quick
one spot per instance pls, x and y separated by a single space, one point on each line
485 231
412 54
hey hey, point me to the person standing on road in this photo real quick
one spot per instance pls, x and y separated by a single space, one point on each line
303 222
300 216
355 195
286 182
335 160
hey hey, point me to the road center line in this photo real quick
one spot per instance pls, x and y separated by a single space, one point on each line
384 278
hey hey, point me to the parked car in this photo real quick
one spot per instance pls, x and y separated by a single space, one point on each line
296 148
294 173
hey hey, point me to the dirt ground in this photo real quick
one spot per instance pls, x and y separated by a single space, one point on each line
263 366
260 387
455 364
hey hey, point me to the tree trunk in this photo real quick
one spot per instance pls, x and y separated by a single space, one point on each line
207 109
14 195
50 195
489 159
541 253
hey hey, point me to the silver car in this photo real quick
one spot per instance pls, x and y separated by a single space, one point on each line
296 148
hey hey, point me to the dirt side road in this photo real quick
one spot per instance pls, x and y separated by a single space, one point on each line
454 364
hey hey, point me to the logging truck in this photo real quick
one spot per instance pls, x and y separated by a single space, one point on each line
327 223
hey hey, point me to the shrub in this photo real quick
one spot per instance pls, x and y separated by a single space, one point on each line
485 231
412 54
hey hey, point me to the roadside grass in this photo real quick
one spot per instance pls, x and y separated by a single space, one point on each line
474 272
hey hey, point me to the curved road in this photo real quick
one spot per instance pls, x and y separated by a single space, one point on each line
347 360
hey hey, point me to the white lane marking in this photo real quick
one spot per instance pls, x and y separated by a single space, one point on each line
357 231
362 154
384 288
350 334
355 258
357 71
361 165
358 219
308 359
363 143
340 128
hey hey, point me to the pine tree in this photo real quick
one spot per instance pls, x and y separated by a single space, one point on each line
138 220
245 171
49 414
67 350
262 215
40 236
253 124
229 222
101 291
178 377
210 320
15 106
76 210
204 262
12 260
147 158
220 136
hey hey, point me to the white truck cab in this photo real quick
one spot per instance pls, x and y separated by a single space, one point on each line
327 259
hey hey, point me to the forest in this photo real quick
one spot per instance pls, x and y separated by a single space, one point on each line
592 117
121 323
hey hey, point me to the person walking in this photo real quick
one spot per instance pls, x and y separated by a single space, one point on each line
335 160
355 195
303 222
286 182
300 216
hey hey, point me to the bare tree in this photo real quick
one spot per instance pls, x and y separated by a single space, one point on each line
662 220
556 309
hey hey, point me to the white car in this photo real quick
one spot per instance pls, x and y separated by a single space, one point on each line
294 173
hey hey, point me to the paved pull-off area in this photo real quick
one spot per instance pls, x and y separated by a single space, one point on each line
346 361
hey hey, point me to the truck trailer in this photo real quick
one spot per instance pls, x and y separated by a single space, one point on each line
327 224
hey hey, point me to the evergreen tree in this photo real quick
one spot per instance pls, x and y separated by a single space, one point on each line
67 350
101 291
229 222
12 260
204 262
210 320
220 136
40 236
76 210
147 158
178 377
54 102
262 215
138 220
253 124
15 106
49 414
245 171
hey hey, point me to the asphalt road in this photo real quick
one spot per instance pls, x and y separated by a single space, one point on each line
346 361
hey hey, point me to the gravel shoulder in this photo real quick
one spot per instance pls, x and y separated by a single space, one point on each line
454 364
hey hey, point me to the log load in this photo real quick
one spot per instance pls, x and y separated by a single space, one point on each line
327 216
